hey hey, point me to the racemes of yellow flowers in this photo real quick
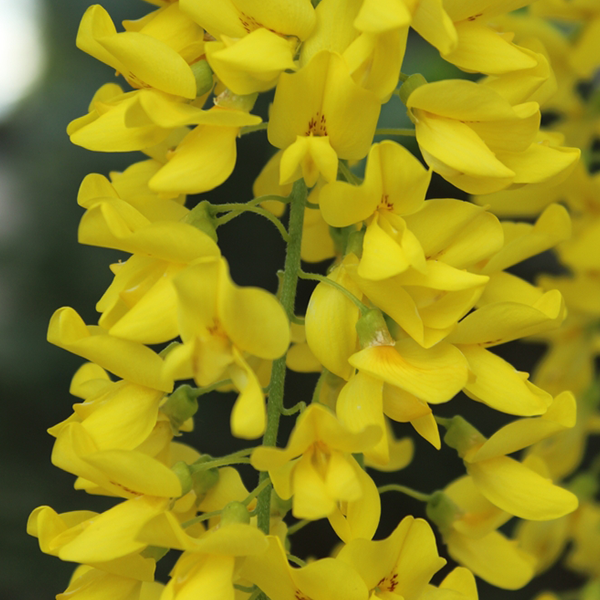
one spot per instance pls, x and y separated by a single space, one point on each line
417 299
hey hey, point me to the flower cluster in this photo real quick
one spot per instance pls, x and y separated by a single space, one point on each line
419 296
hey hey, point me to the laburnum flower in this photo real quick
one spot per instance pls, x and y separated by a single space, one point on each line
395 185
129 360
89 582
507 483
468 523
479 142
140 120
400 565
106 541
220 323
370 36
324 579
141 304
583 56
317 470
510 308
211 560
153 53
253 42
310 115
479 46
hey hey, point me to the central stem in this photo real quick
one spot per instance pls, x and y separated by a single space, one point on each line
288 297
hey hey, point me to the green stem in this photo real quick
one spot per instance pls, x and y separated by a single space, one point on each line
348 175
443 421
231 459
253 128
196 393
204 517
318 386
259 211
394 487
395 131
298 526
226 207
299 407
288 297
362 307
257 490
296 560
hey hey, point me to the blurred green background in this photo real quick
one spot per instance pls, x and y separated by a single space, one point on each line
43 268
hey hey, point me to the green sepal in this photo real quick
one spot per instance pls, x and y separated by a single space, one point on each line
410 85
235 512
182 471
228 99
372 330
202 218
442 511
203 479
154 552
203 75
180 406
279 506
462 436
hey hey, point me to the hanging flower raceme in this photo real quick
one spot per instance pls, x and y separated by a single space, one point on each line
220 325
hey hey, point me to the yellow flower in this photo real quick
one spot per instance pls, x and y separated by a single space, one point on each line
254 41
400 565
395 185
317 469
468 524
149 56
310 115
324 579
219 323
479 142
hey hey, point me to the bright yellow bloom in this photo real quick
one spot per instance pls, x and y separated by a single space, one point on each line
510 485
220 323
400 565
479 142
253 41
395 185
472 539
310 115
129 360
154 55
325 579
317 470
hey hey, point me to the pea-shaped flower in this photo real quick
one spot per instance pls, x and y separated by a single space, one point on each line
317 467
220 323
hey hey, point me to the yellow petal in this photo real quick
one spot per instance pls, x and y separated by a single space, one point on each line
253 318
129 360
520 491
493 558
360 404
500 386
112 534
434 375
330 324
